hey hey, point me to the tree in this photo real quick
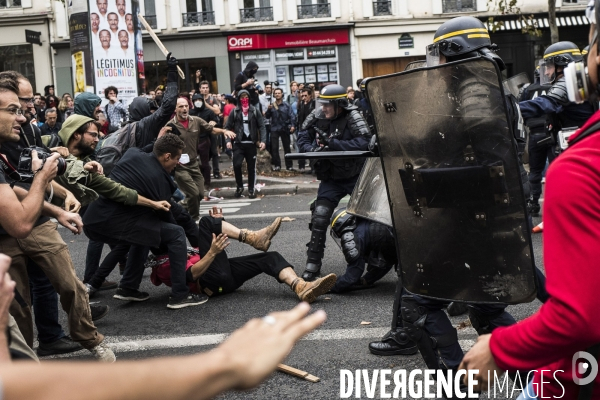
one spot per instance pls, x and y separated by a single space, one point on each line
552 21
529 25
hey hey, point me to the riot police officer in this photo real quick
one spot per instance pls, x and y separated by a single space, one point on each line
548 113
333 126
421 319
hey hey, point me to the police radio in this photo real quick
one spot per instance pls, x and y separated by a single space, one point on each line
563 138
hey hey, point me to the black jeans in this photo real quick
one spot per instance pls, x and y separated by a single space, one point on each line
285 139
241 152
45 305
172 236
538 154
227 274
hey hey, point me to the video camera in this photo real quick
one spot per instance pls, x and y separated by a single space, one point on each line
25 169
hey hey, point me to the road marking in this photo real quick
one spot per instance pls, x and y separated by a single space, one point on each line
123 344
269 215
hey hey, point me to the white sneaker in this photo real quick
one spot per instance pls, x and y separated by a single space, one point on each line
103 353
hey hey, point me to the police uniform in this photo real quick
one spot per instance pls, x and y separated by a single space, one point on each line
548 111
345 130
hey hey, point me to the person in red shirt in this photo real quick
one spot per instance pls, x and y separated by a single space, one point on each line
547 342
210 271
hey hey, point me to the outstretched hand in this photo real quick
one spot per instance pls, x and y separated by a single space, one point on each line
255 349
216 212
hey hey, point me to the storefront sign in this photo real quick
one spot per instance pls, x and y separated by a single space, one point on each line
33 37
284 55
286 40
320 52
117 47
406 41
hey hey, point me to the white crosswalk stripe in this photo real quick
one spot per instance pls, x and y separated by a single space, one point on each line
229 206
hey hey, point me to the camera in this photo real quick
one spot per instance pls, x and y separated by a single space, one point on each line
274 83
25 168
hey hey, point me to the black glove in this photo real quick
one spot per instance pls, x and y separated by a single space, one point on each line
319 148
171 62
322 137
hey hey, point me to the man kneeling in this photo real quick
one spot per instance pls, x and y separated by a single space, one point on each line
213 273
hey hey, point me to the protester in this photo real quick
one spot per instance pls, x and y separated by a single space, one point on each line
246 80
52 126
283 123
115 111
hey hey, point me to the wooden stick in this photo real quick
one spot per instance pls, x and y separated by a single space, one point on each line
296 372
158 42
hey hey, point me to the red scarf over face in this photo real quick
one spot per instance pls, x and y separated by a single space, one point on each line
245 105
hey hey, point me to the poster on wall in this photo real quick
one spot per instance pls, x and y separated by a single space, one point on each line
114 32
81 55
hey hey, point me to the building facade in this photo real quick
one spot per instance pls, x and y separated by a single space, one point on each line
310 41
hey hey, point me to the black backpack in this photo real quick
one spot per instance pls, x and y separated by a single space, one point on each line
111 148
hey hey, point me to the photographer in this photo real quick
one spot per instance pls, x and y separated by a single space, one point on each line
245 81
283 122
26 236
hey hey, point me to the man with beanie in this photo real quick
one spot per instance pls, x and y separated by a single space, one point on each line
245 131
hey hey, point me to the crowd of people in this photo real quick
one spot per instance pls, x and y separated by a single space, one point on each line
134 177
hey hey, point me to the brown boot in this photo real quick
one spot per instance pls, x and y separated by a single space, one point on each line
309 291
260 240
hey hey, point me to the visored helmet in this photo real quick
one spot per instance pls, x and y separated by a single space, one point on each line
536 73
458 39
332 99
557 55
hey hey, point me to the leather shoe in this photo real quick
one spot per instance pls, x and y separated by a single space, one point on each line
98 312
395 342
61 346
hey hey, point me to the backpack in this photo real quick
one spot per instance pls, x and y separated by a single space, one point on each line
110 149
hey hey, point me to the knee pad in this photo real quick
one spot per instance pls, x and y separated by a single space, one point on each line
321 213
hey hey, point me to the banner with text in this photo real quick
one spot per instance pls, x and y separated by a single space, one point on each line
117 48
81 54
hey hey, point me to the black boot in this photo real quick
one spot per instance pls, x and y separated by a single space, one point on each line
312 272
394 343
533 208
455 308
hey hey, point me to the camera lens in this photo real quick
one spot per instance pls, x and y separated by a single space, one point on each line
62 166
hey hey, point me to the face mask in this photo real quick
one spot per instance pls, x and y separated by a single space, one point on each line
245 102
198 104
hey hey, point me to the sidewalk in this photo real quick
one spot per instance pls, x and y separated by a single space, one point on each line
283 184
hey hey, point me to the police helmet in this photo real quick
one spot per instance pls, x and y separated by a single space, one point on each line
536 73
557 55
341 222
462 38
332 95
585 50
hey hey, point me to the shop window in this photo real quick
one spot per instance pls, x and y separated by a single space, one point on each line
156 74
450 6
314 9
382 7
18 58
10 3
317 74
256 11
198 13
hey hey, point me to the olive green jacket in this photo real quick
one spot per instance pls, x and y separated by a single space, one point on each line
86 186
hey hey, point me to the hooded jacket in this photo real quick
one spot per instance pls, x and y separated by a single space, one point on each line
235 123
148 124
86 103
242 77
203 112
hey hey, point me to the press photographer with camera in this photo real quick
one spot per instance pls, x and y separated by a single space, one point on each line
245 80
27 235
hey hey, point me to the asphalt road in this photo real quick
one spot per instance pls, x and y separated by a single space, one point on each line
143 330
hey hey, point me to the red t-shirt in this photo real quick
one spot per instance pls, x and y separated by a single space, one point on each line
228 109
569 321
162 273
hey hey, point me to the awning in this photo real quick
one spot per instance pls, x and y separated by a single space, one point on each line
562 20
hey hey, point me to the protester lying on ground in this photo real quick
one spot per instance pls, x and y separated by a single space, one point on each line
212 272
243 361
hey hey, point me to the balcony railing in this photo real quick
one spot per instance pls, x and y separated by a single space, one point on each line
199 18
382 8
256 14
151 19
450 6
314 11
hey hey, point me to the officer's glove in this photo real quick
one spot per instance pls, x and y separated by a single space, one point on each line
319 148
171 68
322 137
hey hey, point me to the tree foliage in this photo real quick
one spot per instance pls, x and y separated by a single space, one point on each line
529 24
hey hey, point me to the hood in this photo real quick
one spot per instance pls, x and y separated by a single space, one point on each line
199 97
86 103
249 67
138 109
69 127
239 103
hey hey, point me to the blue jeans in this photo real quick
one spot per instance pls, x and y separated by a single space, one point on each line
528 393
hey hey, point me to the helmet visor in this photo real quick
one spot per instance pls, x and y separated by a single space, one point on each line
326 109
547 72
432 52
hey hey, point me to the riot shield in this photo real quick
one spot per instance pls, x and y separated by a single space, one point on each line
455 194
514 84
369 199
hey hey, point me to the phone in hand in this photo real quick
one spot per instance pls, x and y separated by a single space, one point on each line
174 129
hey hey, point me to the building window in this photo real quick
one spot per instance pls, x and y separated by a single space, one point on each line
18 58
314 9
10 3
256 10
382 7
450 6
199 13
575 2
150 13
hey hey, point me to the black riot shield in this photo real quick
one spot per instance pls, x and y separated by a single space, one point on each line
514 84
450 165
370 199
